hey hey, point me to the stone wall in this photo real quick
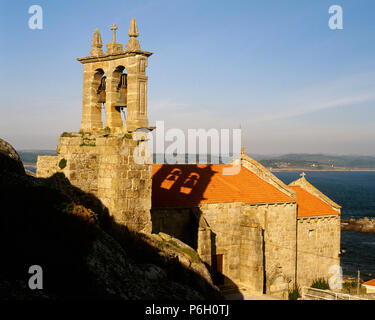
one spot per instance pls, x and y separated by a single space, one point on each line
103 164
251 256
94 67
47 166
278 222
177 222
318 247
219 229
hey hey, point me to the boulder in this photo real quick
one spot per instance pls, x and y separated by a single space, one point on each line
10 161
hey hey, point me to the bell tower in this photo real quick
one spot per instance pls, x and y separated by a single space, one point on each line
115 81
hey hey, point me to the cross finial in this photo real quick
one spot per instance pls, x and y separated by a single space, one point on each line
303 175
114 28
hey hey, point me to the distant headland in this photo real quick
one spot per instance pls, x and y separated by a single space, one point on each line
286 162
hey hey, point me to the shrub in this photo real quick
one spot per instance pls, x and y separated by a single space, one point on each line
84 144
320 283
294 293
62 164
350 286
66 135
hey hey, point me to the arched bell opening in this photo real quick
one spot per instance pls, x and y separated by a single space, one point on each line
98 99
120 77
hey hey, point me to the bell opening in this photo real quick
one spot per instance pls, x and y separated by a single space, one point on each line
122 93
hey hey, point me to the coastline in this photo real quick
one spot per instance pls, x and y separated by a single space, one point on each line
33 165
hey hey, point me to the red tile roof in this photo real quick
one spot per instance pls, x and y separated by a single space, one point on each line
190 185
310 205
370 283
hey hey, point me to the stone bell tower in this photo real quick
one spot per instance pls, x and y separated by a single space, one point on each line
117 80
106 160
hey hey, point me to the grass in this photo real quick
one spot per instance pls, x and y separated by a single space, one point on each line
350 287
87 142
320 283
294 293
84 144
67 135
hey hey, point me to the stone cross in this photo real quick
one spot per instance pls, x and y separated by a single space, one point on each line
302 174
114 28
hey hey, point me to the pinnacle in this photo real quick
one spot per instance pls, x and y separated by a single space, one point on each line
133 30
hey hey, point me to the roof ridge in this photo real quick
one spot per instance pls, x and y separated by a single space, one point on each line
310 205
267 175
306 185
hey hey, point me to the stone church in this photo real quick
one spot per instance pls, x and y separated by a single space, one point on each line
251 230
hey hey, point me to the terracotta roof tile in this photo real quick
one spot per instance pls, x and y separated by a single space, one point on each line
309 205
189 185
370 283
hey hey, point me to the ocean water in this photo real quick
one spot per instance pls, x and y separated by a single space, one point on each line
355 192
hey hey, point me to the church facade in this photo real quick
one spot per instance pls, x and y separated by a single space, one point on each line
250 229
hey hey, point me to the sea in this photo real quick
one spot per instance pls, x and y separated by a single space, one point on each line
354 191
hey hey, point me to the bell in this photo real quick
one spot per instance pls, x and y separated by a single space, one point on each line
101 91
101 96
121 100
122 94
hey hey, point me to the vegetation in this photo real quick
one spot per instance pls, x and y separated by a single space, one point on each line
86 214
62 163
294 293
87 142
128 136
320 283
192 254
287 163
67 135
320 160
350 287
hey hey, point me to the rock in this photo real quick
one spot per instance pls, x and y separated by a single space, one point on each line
10 161
81 259
153 273
361 225
195 271
113 272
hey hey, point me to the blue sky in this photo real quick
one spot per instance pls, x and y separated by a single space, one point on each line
272 67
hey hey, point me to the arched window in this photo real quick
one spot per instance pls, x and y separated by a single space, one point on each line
120 78
98 87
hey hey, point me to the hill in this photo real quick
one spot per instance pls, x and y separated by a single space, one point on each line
84 254
318 161
285 161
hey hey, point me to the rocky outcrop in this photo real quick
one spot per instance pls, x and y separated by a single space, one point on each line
118 277
85 255
360 225
10 161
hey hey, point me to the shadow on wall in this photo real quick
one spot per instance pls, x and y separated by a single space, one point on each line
177 191
51 223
